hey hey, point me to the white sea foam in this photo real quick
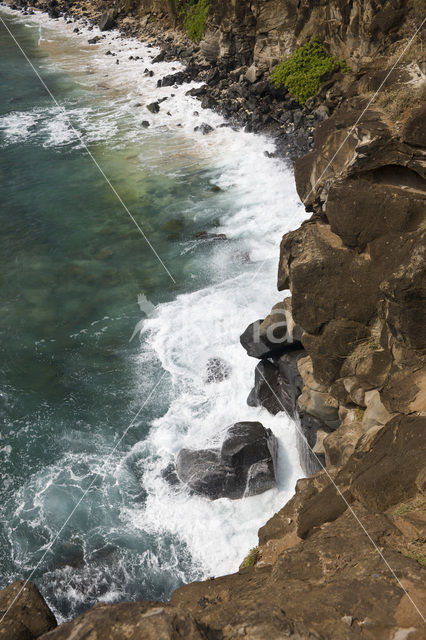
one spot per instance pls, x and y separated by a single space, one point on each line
197 326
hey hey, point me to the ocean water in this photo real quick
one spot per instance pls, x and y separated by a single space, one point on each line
106 331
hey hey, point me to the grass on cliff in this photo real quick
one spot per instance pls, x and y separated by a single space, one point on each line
193 15
302 72
399 99
251 558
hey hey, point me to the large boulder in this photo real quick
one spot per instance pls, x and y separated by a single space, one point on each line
205 473
107 20
243 466
23 612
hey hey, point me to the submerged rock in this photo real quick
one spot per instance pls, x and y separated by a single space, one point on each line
217 370
153 107
204 128
243 466
169 474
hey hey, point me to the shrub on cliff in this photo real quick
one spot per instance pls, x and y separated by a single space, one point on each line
194 15
301 73
251 559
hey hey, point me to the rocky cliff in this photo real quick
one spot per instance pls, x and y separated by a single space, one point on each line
345 557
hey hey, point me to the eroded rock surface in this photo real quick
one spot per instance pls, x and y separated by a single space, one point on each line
25 613
243 466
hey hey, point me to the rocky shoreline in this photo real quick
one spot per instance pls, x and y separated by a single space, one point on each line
243 96
345 354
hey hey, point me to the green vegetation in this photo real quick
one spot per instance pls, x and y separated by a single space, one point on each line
193 16
404 508
301 73
419 557
251 559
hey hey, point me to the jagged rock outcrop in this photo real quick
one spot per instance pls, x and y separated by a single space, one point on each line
243 466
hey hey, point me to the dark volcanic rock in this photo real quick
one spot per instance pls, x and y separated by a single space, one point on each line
204 128
107 20
153 107
258 345
169 474
245 464
246 443
204 472
267 391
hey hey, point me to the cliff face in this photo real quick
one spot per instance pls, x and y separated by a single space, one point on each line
263 32
344 558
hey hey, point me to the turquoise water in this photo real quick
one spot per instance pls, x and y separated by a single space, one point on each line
72 266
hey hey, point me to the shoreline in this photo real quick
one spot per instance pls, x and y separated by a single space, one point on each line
277 115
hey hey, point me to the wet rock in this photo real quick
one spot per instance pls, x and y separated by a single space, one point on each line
217 370
107 20
260 478
160 58
204 128
269 391
169 474
145 124
268 337
197 91
244 465
248 442
204 472
29 611
153 107
94 40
